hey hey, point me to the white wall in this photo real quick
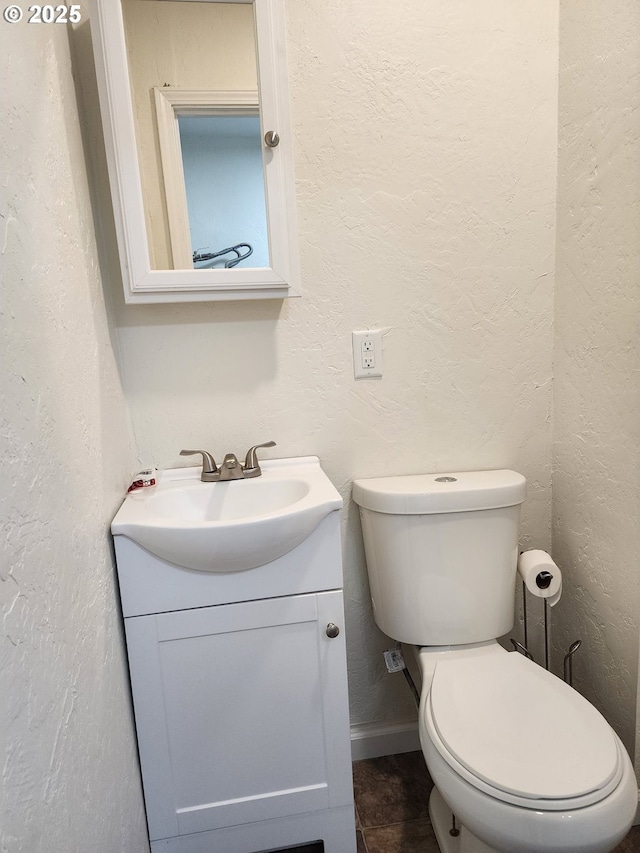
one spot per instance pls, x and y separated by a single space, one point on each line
69 777
596 481
425 146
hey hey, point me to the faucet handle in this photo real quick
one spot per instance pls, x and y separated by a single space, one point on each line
208 462
251 467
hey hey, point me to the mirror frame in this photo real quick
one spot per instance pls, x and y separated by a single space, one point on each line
142 284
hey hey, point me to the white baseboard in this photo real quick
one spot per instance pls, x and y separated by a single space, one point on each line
371 740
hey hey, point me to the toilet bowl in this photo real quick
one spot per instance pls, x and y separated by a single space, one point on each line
504 741
523 761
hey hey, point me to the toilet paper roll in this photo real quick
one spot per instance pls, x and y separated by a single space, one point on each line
540 574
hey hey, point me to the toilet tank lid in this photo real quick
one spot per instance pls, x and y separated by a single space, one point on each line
425 494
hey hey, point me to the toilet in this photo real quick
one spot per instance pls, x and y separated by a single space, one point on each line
521 762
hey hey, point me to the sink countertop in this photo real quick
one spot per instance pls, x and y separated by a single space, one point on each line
228 526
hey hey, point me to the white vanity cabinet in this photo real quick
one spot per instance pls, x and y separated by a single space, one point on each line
241 701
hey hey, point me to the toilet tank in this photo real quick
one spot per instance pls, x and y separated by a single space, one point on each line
442 553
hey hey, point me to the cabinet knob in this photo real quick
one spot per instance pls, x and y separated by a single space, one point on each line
332 631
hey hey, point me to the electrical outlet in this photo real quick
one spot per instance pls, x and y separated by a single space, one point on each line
367 353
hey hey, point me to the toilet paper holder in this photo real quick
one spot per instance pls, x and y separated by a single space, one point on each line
543 580
568 662
519 647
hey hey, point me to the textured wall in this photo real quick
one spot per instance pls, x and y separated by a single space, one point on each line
596 481
425 145
69 779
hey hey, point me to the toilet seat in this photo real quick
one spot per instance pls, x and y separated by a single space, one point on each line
534 731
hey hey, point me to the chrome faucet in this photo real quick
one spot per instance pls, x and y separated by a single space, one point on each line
251 467
231 468
210 471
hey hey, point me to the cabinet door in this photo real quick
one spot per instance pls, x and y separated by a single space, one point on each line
241 712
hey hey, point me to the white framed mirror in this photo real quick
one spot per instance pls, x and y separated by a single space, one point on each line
193 96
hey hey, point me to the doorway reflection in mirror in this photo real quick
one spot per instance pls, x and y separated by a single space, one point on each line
222 164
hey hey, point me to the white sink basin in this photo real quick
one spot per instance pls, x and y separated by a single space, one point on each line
233 526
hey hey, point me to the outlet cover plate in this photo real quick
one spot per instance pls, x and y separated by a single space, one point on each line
367 354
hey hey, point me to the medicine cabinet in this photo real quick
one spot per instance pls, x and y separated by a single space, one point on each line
194 104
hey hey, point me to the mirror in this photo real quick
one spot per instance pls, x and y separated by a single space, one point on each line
195 114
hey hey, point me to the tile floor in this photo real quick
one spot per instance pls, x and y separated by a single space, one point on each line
391 795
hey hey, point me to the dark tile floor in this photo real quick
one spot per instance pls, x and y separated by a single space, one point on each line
391 795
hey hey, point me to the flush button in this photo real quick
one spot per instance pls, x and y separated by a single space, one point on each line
446 479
